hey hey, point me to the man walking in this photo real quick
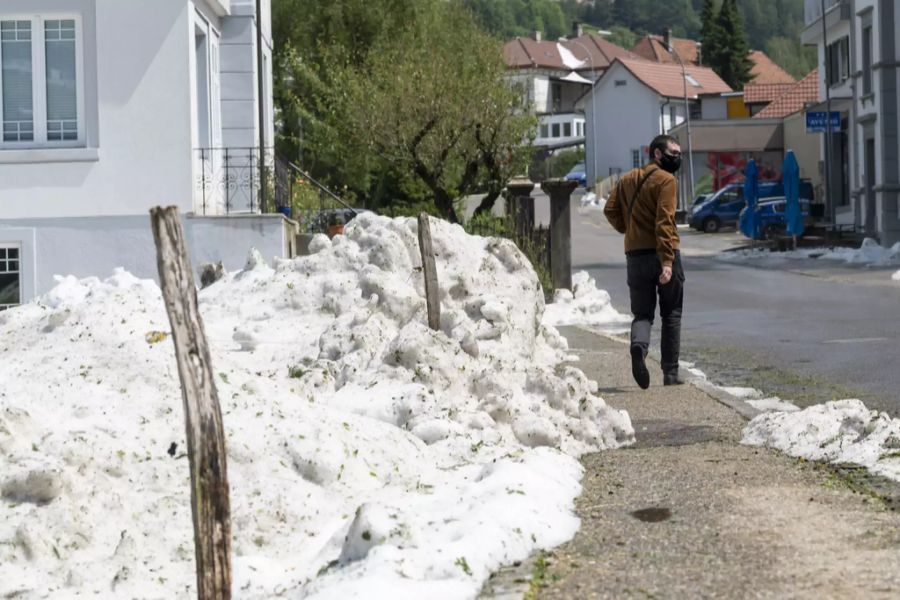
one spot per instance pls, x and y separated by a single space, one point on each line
642 206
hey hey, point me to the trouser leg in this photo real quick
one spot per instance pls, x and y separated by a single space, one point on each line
642 289
671 301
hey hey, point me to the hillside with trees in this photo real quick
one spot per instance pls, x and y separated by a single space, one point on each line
770 25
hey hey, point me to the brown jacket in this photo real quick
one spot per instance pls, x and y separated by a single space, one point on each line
652 223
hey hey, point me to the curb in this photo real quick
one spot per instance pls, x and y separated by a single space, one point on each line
739 405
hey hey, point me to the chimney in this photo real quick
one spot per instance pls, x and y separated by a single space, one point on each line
577 29
536 35
667 37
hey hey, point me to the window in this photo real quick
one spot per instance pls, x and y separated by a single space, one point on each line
867 60
567 130
695 112
579 129
555 130
621 82
545 130
636 158
673 116
10 287
838 61
556 99
41 82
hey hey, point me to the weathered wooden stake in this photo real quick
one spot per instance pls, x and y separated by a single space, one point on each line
205 436
429 270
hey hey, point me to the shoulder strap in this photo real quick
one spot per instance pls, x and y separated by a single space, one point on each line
634 197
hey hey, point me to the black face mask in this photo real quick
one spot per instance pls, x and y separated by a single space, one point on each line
670 163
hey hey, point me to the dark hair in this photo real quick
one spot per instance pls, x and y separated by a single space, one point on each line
661 142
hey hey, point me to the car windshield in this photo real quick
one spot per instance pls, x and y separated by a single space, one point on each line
577 168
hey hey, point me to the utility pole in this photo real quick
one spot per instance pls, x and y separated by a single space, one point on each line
687 118
829 197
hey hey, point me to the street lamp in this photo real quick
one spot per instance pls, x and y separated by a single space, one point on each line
687 117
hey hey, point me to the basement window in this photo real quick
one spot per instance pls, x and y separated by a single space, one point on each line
10 276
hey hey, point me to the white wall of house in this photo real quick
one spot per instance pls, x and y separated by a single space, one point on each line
95 246
148 94
624 115
714 108
136 147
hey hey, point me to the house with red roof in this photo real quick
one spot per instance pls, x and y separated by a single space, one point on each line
656 48
555 75
634 101
722 145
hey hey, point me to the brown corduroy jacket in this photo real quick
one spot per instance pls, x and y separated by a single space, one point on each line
652 225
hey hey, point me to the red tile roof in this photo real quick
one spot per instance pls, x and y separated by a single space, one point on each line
765 71
806 91
653 47
595 53
763 93
666 78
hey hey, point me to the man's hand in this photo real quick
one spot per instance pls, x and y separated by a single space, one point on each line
666 275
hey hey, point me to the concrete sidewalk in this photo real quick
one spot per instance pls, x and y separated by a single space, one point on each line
690 513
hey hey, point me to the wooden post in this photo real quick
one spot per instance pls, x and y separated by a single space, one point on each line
210 505
429 270
560 192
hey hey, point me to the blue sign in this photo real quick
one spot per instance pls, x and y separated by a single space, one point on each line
815 122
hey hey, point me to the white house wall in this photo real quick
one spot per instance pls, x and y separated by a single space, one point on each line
95 246
620 119
542 94
138 122
240 113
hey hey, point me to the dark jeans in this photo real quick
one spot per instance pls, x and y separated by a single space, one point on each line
644 269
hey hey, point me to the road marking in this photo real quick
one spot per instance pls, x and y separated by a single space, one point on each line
856 340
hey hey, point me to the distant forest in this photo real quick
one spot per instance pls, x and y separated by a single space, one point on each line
771 25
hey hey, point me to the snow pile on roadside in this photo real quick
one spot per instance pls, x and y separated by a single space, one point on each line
870 253
591 203
843 431
896 276
584 305
368 455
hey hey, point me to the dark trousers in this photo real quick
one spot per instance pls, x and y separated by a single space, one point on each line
644 269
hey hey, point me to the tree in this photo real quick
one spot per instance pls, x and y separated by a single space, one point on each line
731 59
432 101
710 37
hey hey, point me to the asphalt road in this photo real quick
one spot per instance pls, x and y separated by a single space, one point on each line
809 331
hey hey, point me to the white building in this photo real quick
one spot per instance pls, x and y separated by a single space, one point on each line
555 75
634 101
859 49
110 107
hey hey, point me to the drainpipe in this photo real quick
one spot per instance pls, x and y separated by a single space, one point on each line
853 129
662 115
262 107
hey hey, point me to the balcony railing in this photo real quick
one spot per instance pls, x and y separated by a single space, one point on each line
244 181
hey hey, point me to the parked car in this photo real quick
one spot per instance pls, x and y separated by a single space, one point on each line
723 208
770 212
577 173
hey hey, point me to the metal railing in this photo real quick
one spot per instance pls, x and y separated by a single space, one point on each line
230 181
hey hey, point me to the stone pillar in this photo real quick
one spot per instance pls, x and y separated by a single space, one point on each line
560 192
520 203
